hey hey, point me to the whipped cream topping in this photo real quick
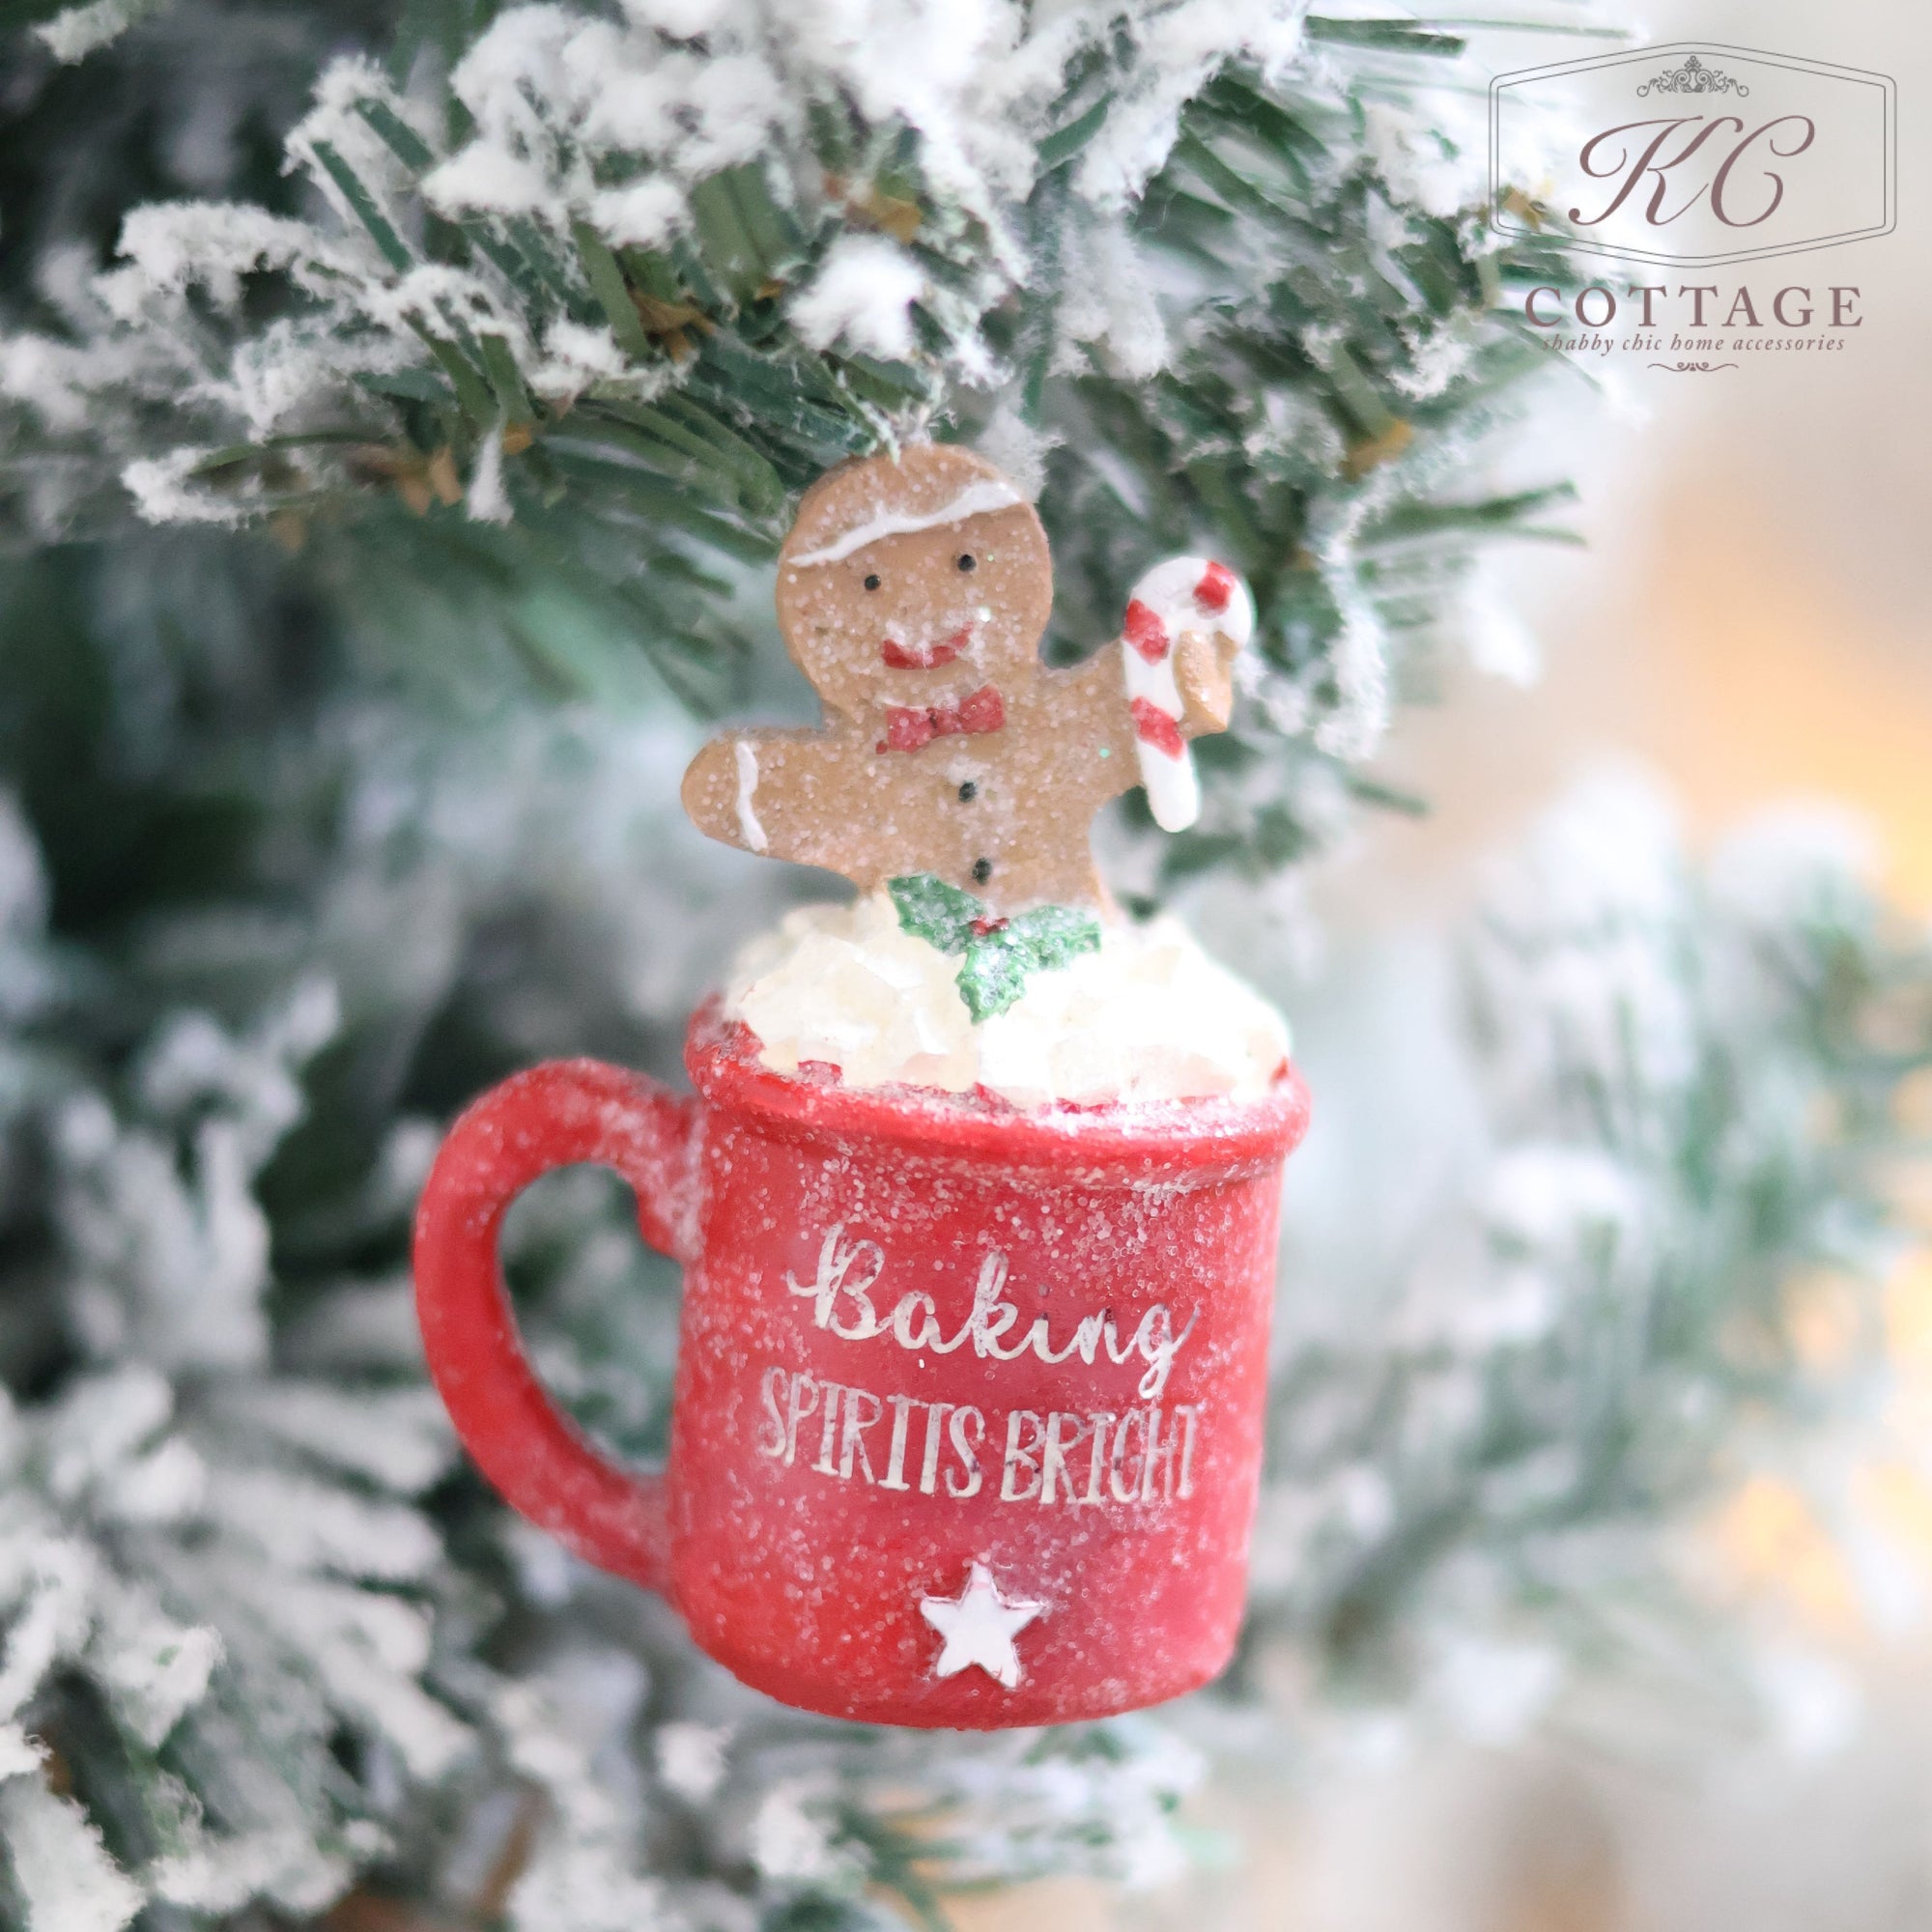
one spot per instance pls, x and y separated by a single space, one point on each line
1149 1016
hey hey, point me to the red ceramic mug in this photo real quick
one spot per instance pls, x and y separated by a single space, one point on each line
967 1426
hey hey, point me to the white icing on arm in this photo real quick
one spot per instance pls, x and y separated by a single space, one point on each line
749 827
985 495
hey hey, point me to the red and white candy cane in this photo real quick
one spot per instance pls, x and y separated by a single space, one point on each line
1185 593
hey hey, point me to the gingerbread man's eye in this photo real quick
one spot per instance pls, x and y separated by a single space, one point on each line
969 562
872 582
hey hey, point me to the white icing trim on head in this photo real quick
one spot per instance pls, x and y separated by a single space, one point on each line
749 827
990 492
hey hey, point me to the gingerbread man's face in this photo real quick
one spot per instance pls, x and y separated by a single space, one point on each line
913 581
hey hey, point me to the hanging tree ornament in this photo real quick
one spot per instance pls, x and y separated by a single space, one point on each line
913 592
967 1423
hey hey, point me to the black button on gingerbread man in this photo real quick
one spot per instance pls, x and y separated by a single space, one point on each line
913 591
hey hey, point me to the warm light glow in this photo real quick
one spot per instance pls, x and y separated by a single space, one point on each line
1772 1538
1777 689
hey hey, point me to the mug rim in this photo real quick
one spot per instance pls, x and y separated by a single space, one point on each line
1185 1141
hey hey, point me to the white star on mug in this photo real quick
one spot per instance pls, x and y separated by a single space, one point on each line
979 1626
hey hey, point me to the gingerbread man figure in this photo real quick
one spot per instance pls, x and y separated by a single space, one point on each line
913 591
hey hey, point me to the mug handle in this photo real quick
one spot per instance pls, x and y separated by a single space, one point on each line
543 1465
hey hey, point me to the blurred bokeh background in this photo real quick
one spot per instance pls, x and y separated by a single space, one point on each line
1750 614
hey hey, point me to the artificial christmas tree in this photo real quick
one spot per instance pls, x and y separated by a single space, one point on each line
378 524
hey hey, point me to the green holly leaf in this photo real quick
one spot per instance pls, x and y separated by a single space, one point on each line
1001 953
999 962
994 975
932 910
1056 933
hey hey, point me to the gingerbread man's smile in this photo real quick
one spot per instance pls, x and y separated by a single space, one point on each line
925 657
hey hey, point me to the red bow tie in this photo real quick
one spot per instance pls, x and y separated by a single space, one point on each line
908 727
